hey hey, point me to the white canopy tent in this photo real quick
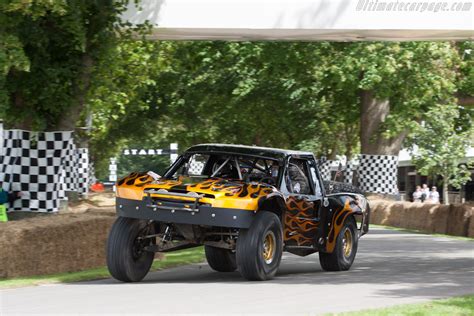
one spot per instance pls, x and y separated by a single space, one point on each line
309 20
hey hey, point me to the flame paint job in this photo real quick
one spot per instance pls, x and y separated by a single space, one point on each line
343 206
218 192
300 228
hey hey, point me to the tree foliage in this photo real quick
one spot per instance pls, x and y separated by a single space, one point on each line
298 95
48 53
440 143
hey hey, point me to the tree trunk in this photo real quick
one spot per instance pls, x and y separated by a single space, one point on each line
21 121
445 191
465 100
332 153
257 140
350 140
26 123
373 115
70 117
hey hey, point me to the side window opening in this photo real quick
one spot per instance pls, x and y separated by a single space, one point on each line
317 185
298 177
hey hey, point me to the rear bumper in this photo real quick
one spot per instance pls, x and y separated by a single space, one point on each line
204 215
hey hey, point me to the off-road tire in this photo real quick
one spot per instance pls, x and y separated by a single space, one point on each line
250 247
221 260
337 260
123 261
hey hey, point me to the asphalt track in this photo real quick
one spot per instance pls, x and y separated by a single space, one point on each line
391 268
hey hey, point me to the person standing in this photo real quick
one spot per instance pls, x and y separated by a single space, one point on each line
5 198
434 195
3 205
425 192
417 194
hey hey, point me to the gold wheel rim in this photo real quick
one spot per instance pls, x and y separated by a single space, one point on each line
269 246
347 243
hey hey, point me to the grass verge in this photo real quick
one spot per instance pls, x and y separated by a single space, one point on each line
414 231
457 306
172 259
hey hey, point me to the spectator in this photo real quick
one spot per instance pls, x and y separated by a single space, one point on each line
434 196
417 194
5 198
425 192
9 198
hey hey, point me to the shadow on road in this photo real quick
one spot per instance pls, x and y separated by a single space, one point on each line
401 264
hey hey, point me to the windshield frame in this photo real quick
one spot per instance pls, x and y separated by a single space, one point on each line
234 159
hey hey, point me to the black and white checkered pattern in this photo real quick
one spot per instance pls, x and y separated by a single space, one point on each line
348 173
91 171
195 167
42 166
69 175
83 170
325 170
378 174
32 164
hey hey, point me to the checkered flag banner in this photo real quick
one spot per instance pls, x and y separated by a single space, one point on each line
378 173
83 170
325 170
32 164
91 174
348 173
43 166
195 167
69 173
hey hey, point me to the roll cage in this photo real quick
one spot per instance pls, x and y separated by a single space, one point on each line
246 167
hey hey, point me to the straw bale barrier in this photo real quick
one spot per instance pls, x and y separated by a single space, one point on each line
53 244
454 219
70 242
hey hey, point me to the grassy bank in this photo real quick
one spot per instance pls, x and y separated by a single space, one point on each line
172 259
457 306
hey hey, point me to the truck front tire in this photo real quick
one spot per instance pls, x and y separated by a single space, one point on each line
260 247
344 253
127 260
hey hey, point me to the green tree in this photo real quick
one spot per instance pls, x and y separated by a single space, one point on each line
49 51
313 96
439 143
394 84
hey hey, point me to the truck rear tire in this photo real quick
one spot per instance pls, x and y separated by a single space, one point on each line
127 260
344 253
221 260
260 247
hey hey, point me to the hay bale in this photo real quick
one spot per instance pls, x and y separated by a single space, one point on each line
378 212
459 219
395 214
430 218
470 229
54 244
439 218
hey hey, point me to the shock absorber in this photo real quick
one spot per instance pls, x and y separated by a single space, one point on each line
166 234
